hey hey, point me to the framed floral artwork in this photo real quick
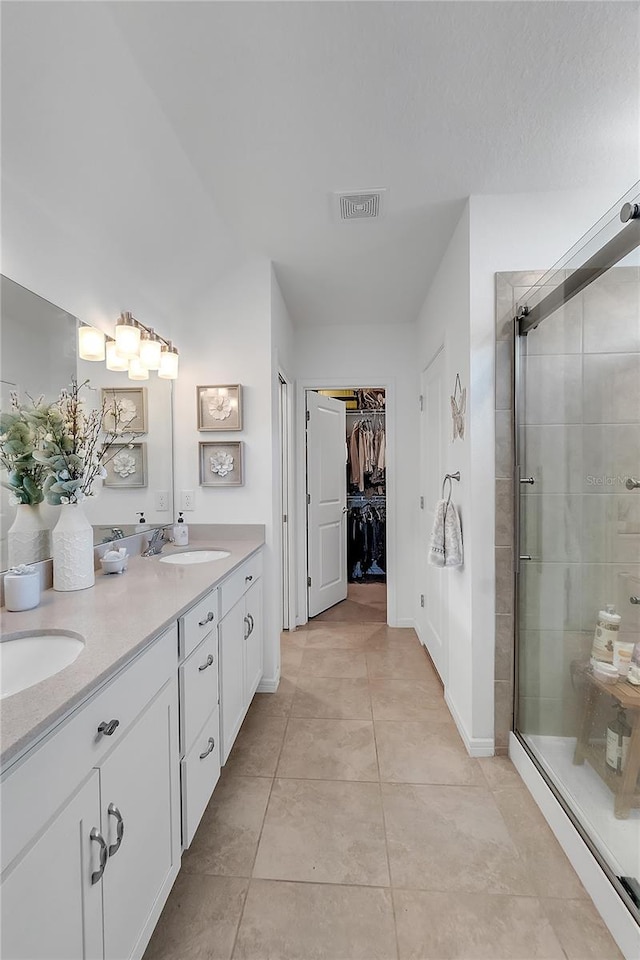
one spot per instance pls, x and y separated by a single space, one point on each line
221 464
125 409
220 408
126 465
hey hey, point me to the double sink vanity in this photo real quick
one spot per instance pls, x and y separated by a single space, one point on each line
110 753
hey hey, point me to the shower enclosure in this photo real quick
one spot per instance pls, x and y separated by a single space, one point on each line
577 551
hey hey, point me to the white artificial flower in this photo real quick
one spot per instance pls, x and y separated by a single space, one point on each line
221 463
124 464
220 408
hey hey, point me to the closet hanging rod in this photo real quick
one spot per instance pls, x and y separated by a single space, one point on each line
361 413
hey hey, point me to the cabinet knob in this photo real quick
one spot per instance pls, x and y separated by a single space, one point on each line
97 837
207 619
108 728
113 811
248 579
210 748
208 662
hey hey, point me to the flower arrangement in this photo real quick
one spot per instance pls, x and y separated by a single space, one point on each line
22 429
74 451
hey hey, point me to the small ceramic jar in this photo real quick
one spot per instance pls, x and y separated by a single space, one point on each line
21 590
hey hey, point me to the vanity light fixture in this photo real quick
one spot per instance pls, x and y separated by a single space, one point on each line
127 336
114 360
168 362
136 349
137 369
90 343
150 349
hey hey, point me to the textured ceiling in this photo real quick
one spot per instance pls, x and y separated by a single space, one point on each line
275 105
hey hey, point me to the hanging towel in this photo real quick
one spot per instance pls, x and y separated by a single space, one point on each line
445 549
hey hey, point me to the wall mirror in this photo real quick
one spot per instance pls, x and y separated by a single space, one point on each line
39 357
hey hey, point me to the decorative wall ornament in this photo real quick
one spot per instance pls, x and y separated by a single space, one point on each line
127 406
458 409
220 407
126 465
221 464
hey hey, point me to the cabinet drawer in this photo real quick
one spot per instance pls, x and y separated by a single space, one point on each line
71 750
200 771
198 622
198 689
239 582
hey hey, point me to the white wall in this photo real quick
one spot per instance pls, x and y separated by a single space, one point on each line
444 321
376 356
495 233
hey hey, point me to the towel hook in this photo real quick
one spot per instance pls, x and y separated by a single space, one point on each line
450 477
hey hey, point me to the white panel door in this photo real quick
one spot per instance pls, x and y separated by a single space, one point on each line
52 896
433 579
140 798
327 507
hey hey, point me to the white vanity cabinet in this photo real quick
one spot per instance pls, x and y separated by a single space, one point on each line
199 715
241 647
90 821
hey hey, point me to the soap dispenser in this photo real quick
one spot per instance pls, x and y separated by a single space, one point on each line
142 523
180 532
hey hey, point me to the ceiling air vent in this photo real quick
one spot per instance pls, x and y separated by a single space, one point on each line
363 205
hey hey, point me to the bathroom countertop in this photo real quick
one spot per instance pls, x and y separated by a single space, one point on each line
117 618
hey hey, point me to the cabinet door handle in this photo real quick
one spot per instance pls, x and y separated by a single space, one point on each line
210 748
104 854
208 662
113 811
108 728
248 579
207 619
248 626
251 623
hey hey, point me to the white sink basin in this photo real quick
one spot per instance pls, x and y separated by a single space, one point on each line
195 556
28 658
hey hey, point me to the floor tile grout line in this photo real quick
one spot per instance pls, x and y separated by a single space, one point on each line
386 848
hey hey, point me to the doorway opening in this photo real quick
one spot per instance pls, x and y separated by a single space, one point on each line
346 460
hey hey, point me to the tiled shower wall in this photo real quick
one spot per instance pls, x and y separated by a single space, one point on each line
583 414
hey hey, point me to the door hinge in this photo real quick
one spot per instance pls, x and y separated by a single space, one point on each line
308 416
422 599
421 402
422 503
308 498
284 518
308 581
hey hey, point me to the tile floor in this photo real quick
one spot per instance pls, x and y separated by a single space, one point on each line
350 824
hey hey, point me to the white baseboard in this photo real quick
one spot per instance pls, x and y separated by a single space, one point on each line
611 908
476 746
405 622
268 685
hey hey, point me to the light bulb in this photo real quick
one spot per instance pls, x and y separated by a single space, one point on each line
168 362
127 337
90 343
150 350
137 369
114 360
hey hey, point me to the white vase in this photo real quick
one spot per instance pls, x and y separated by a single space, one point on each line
72 541
28 538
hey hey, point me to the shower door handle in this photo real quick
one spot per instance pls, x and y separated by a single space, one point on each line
634 600
632 483
531 480
526 557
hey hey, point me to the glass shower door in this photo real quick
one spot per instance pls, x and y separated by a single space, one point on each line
578 423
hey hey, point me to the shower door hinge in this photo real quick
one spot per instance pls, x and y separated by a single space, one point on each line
422 503
308 498
422 599
284 518
308 581
421 402
308 416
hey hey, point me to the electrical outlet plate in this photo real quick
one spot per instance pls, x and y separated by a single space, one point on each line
187 500
162 501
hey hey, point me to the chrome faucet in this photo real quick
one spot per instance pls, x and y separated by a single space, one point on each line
157 541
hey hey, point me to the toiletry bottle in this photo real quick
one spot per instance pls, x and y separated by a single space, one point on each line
180 532
618 736
622 653
607 626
